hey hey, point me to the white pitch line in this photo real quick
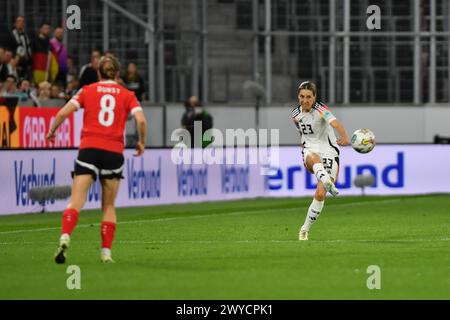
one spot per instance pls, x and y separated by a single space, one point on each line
278 241
238 241
204 216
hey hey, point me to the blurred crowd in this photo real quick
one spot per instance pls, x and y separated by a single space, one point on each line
37 69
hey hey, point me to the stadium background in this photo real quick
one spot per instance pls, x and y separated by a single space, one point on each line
245 60
219 45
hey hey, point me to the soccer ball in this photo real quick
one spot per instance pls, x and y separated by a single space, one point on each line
363 140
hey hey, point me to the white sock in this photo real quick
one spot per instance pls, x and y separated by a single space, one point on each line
106 252
313 213
320 173
64 236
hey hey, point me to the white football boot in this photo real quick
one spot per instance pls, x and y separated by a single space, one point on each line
105 256
303 235
60 255
331 188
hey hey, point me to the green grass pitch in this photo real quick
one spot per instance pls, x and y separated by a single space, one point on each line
246 249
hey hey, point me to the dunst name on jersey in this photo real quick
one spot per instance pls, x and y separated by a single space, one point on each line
108 90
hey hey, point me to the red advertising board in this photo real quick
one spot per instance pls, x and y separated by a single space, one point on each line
35 124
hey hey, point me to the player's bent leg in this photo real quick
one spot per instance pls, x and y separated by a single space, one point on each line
80 187
311 159
314 164
331 188
110 188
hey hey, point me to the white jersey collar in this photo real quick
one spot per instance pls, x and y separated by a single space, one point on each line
107 82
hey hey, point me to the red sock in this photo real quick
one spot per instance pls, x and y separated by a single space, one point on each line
69 220
107 231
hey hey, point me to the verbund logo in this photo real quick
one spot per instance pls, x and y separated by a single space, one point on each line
235 179
27 178
142 183
391 176
192 181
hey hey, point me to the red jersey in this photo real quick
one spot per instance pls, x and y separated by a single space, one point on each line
106 106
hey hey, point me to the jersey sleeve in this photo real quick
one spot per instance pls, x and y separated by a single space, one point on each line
134 104
78 98
325 113
295 114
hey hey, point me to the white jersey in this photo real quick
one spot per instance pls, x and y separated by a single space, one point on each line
316 133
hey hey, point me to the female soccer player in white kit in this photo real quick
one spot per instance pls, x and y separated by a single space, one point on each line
320 148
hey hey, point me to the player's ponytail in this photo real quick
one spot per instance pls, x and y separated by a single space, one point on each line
109 67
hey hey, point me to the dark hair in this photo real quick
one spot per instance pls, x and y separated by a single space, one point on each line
44 23
21 81
109 67
187 102
12 76
308 85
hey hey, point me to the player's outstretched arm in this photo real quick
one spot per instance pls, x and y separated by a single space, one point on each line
343 137
62 114
141 124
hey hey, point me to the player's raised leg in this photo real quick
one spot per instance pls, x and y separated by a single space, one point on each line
110 188
80 187
314 164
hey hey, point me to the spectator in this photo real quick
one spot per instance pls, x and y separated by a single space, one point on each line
41 51
13 66
60 50
9 86
26 92
72 72
3 66
56 91
72 88
194 112
23 90
44 91
88 73
20 44
8 56
134 82
24 85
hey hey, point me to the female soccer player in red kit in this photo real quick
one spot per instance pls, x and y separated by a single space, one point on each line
106 106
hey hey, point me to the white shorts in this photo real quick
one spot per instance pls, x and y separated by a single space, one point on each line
330 162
